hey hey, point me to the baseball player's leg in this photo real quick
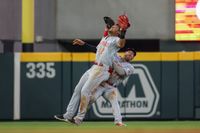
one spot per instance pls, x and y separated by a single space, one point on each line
75 99
97 75
111 95
98 92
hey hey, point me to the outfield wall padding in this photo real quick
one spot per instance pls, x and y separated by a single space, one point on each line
164 86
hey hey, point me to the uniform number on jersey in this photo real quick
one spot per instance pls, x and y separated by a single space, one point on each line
40 70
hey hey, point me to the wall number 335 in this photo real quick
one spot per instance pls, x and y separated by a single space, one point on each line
40 70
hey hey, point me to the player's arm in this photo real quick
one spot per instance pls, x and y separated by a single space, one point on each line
118 68
129 69
121 70
124 24
122 40
85 44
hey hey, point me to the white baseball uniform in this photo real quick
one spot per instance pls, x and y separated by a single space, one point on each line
106 49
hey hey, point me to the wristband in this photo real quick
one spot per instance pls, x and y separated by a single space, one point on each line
122 34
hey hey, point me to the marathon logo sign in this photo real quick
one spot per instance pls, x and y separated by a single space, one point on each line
137 95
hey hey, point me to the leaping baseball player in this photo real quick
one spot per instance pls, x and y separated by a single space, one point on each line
107 89
99 72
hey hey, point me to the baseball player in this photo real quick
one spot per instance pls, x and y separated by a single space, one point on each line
106 49
122 69
99 72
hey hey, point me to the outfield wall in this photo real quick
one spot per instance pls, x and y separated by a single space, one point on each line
39 85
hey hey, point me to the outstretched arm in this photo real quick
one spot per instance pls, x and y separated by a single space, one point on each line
87 45
124 24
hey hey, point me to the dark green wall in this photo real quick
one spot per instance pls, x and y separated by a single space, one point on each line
186 89
169 90
6 86
41 98
178 83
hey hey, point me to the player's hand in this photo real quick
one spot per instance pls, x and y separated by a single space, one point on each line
123 22
78 42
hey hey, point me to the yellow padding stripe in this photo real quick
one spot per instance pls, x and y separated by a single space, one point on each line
84 57
150 56
186 56
169 56
92 57
80 57
66 56
197 56
141 56
41 57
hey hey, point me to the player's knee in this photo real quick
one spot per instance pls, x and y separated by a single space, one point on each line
112 95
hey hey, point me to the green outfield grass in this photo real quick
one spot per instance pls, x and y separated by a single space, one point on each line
101 127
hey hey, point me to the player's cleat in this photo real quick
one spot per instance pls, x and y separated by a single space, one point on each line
71 121
120 124
61 118
77 121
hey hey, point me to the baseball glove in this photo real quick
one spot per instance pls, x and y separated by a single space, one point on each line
123 22
109 22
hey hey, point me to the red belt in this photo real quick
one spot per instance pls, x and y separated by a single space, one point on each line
98 64
111 84
110 70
